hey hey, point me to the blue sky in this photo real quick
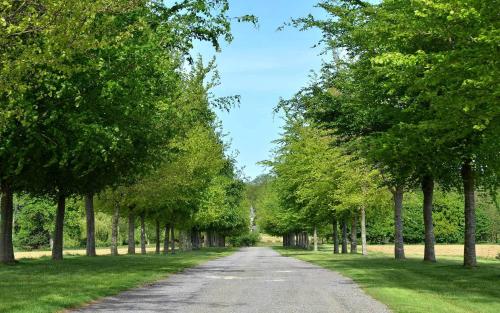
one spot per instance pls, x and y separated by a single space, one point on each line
262 65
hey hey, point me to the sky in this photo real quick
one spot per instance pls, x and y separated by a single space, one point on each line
262 65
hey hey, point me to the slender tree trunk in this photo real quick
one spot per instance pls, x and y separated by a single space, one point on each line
335 235
157 248
428 191
57 250
114 230
143 234
470 215
131 233
89 212
354 233
167 239
6 225
344 235
399 250
364 248
315 239
172 235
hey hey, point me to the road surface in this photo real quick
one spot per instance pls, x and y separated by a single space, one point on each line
253 280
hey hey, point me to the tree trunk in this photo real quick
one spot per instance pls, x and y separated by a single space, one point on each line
344 235
57 250
143 234
470 215
157 248
131 233
6 225
114 230
195 239
315 239
172 235
335 236
364 248
167 239
399 249
89 212
354 233
428 191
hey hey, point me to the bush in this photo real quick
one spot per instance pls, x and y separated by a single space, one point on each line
245 240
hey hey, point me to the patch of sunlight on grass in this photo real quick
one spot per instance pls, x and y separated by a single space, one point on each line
41 285
412 286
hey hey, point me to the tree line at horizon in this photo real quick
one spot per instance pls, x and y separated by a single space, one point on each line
407 100
101 102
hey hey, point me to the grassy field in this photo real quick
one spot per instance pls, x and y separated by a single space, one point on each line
99 251
489 251
414 286
41 285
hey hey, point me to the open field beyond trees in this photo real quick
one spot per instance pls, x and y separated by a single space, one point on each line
412 285
489 251
42 285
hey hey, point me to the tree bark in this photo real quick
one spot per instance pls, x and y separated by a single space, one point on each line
57 249
6 225
89 213
157 248
344 235
364 248
354 235
172 235
143 234
399 250
206 240
166 241
335 235
131 233
114 230
315 239
428 191
470 214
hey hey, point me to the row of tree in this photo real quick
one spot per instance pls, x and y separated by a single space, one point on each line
409 99
102 98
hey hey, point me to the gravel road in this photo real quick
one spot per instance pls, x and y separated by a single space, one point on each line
253 280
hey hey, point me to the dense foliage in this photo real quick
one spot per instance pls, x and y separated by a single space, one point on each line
408 100
101 100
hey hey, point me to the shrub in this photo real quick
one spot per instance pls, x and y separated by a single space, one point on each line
245 240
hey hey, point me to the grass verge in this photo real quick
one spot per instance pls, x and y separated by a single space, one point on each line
41 285
414 286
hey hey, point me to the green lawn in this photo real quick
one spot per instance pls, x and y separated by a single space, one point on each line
41 285
414 286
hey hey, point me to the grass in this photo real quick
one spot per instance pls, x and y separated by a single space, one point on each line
73 251
41 285
414 286
489 251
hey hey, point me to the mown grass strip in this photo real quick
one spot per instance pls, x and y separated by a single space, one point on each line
414 286
42 285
